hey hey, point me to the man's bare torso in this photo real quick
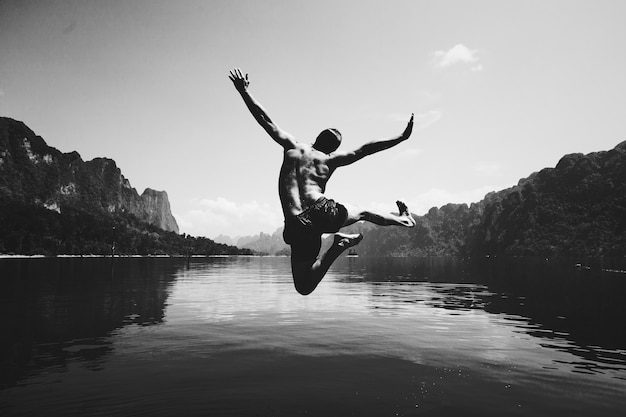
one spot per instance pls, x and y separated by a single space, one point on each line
303 177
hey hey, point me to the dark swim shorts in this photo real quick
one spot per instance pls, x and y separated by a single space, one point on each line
304 230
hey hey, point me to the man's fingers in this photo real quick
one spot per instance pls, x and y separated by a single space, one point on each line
235 73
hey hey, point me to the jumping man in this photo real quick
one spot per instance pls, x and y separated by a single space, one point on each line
301 185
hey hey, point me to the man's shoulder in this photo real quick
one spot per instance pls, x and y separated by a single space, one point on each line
306 151
297 149
303 149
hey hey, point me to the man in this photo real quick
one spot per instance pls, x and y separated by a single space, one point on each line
301 184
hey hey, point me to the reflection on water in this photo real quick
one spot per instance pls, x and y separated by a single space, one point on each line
393 336
574 309
56 311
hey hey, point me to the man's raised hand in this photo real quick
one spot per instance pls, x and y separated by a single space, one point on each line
241 83
409 129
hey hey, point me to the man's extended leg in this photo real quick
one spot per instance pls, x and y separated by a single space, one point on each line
308 268
403 218
307 274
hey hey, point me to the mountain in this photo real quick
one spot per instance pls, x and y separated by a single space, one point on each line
156 210
32 172
575 208
53 202
227 240
265 243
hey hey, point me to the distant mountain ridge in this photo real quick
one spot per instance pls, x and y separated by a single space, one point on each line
32 172
575 208
263 243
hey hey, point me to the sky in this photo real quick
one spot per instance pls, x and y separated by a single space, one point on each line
500 89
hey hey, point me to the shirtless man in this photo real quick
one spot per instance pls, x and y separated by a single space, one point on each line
301 184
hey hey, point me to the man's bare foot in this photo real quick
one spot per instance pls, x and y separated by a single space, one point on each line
344 240
404 212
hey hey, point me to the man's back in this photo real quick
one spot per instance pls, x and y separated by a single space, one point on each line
302 182
303 177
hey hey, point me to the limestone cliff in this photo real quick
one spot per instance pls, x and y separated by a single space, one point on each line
31 172
156 209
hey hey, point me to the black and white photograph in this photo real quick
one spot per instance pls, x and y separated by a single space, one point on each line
312 208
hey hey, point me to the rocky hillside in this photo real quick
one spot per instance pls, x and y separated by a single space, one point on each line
31 172
575 208
56 203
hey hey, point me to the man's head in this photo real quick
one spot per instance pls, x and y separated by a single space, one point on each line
328 141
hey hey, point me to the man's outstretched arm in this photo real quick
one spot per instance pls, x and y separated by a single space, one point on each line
241 83
346 158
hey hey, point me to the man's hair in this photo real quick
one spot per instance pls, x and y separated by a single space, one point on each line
328 140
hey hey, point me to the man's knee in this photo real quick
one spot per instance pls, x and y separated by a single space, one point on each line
303 278
303 283
303 289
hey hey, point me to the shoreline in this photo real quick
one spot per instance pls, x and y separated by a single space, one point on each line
5 256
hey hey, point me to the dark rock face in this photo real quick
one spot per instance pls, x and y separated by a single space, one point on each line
31 172
576 208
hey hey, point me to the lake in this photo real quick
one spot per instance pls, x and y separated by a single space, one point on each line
229 336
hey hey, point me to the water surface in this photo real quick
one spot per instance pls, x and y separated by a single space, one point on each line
230 336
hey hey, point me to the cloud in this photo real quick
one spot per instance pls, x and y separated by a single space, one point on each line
458 54
212 217
183 223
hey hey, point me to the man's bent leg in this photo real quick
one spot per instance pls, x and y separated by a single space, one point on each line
404 217
307 274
